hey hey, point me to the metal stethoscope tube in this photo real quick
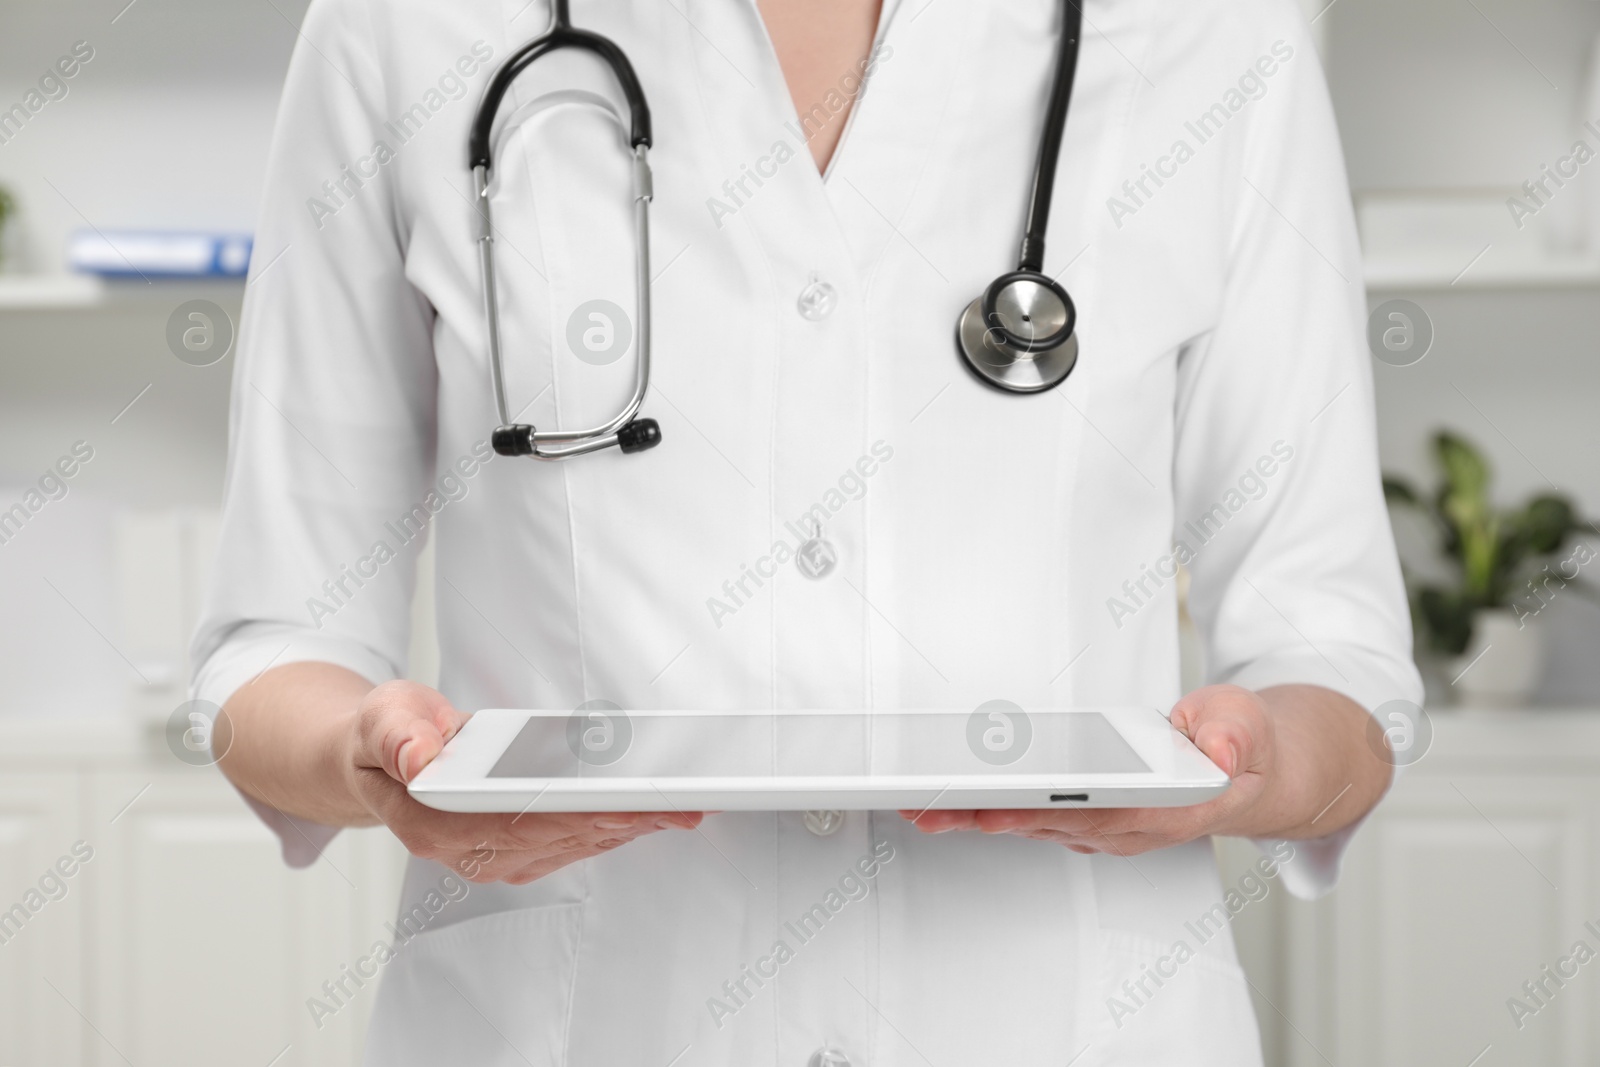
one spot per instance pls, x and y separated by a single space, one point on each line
607 433
624 429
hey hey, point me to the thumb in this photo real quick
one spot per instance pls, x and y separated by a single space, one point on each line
402 726
1222 722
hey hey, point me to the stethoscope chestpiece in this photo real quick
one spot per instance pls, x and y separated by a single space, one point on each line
1020 335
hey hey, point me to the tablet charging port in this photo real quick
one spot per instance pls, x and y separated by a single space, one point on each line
1058 798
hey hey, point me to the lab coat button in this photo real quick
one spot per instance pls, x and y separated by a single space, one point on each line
824 824
816 558
829 1057
817 300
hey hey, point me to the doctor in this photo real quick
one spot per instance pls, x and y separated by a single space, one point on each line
839 513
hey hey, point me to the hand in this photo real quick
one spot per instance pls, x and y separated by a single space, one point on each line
399 729
1232 726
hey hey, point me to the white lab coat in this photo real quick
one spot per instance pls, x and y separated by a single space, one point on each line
989 545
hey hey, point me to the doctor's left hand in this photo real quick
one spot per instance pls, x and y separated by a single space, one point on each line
318 742
1297 755
399 728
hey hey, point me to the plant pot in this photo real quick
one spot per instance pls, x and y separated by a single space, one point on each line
1503 664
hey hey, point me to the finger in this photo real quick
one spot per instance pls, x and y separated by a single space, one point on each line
1121 844
547 865
1073 821
429 832
941 821
1225 723
401 727
491 865
487 860
531 866
556 830
1226 742
1111 845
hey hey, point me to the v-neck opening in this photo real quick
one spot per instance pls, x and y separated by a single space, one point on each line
885 16
886 11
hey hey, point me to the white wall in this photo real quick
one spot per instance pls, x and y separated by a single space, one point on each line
1431 95
167 126
1448 97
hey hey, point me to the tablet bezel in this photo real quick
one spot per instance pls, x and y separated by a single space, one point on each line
458 779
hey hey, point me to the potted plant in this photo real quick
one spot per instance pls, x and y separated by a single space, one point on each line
8 212
1505 565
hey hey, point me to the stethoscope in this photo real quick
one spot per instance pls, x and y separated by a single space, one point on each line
1017 336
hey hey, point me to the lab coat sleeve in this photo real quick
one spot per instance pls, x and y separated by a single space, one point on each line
1294 574
332 414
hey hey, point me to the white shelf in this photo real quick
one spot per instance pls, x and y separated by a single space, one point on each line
1466 240
40 292
1438 273
82 292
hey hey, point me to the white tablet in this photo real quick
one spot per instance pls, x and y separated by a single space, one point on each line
600 758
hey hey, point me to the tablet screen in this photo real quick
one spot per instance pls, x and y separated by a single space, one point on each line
610 744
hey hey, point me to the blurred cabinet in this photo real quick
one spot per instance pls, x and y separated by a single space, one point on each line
1463 891
41 920
1477 873
182 939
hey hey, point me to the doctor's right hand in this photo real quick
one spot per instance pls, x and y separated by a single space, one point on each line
399 729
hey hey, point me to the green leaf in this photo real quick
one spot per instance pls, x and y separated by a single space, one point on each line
1465 471
1399 491
1545 523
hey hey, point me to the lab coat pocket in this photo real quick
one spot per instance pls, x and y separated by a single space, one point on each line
1184 1003
488 991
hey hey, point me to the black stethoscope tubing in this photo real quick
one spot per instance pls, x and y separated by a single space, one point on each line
1019 336
1055 126
997 336
562 34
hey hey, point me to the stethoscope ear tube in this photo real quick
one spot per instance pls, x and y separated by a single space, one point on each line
561 35
624 430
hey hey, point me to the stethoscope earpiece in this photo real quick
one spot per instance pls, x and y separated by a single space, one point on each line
639 435
515 440
520 439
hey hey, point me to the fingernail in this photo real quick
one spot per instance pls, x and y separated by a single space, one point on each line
668 824
612 824
1233 765
400 761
